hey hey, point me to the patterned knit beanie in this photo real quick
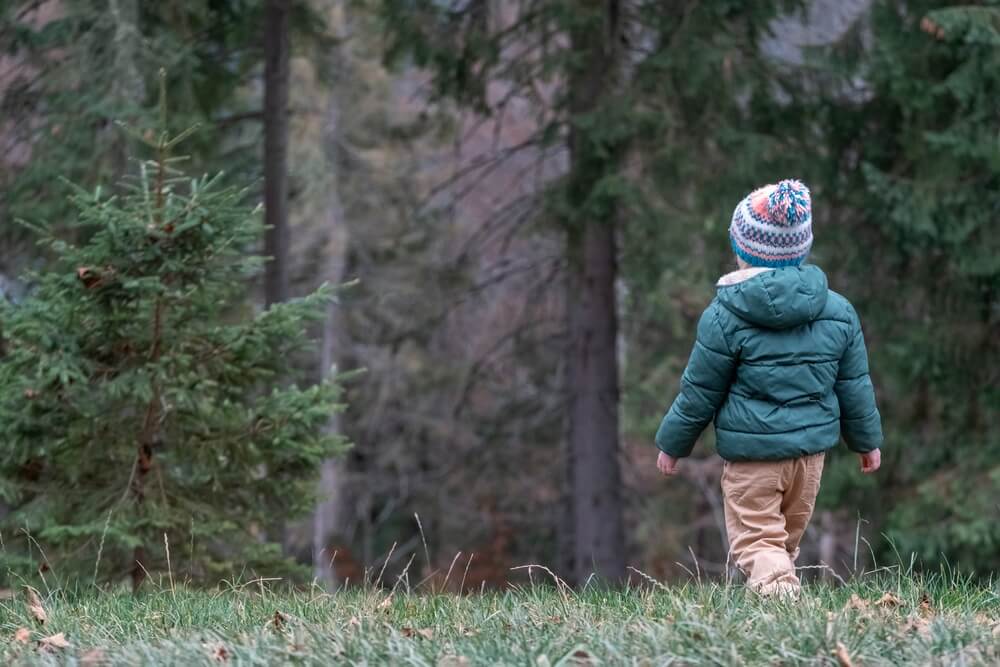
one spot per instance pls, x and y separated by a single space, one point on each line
772 226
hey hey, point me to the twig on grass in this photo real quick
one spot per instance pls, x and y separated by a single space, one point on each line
423 538
378 581
561 585
656 583
170 571
448 574
100 547
467 565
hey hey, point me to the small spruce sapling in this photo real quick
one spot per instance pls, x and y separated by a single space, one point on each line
137 398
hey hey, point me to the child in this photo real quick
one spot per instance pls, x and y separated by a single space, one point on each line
780 364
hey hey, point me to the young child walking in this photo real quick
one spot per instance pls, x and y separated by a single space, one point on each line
780 364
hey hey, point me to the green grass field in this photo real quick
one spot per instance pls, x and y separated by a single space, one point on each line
879 620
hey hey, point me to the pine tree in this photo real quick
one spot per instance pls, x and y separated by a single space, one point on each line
922 233
133 412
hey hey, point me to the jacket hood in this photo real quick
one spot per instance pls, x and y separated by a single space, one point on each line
775 298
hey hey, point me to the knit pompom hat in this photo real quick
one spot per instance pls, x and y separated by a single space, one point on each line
772 226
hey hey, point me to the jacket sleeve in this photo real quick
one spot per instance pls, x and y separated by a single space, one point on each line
860 423
704 387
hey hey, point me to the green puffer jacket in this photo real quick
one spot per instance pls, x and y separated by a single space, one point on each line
780 363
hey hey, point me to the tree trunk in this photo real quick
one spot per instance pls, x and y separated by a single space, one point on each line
330 518
276 52
592 365
592 360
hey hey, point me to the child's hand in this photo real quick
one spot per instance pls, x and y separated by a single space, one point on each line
667 464
871 461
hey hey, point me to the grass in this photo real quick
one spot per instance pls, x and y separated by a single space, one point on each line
939 620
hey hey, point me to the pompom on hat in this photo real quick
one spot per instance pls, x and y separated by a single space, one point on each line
772 226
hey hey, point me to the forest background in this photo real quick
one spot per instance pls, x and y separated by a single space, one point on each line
530 201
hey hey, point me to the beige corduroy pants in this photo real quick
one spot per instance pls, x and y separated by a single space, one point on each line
768 505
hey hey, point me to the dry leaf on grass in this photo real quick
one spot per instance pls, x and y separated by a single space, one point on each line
454 661
425 633
843 657
220 653
856 603
22 635
278 621
917 624
93 658
889 601
35 607
53 643
991 623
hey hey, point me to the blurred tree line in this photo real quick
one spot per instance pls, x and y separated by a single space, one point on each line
534 196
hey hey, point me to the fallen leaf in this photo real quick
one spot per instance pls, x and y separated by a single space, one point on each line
279 621
856 603
53 643
843 657
425 633
22 635
454 661
93 658
220 653
992 623
35 607
889 601
919 625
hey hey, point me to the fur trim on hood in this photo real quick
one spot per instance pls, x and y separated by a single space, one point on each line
741 275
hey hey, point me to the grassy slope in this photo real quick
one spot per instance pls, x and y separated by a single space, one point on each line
690 624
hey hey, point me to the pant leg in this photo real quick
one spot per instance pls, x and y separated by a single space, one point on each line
799 498
755 525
